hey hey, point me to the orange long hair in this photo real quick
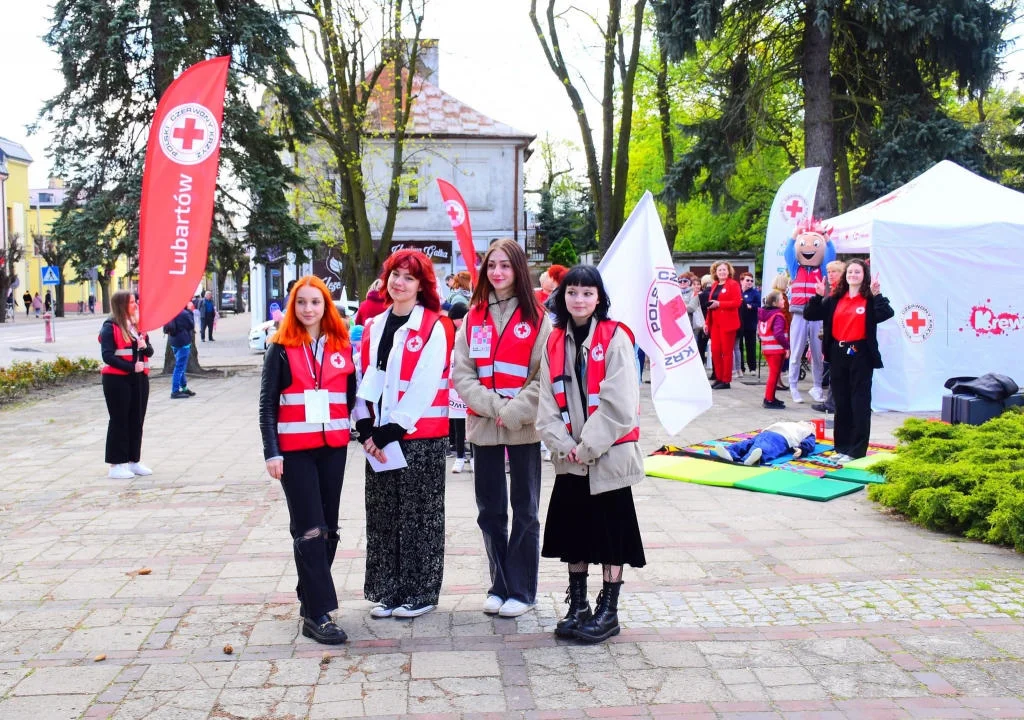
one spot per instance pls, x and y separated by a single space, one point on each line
292 333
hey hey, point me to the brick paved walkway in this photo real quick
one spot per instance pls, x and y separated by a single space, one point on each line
751 606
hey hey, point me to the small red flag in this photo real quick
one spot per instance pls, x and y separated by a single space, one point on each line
178 185
458 213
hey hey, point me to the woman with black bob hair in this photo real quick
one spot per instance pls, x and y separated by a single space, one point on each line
588 416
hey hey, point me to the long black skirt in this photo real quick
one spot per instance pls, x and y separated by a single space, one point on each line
601 528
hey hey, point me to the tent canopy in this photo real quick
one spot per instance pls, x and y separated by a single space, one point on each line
946 196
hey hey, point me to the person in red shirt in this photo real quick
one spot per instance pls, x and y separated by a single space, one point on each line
851 315
373 305
723 321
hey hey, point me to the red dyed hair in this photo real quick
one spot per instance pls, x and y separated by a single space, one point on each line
421 268
557 272
292 333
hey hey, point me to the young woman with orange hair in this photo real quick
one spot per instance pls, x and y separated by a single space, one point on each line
307 389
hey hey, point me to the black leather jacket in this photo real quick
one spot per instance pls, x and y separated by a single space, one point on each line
277 375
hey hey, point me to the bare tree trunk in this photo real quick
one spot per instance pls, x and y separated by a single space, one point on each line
819 138
667 147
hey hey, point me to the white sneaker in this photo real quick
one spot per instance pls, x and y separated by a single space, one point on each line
493 604
720 451
547 455
411 611
514 608
139 469
841 458
120 472
817 394
795 394
459 464
737 373
753 457
381 611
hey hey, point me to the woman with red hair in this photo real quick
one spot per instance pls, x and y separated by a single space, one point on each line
307 389
403 410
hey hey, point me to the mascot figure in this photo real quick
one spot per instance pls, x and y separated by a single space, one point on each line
807 253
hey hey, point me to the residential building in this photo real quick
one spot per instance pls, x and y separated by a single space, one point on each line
14 200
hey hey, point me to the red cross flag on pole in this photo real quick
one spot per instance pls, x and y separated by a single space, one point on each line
645 294
458 213
178 184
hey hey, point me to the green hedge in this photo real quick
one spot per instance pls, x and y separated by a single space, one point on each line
964 479
21 377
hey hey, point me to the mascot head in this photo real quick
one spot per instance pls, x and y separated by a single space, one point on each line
810 246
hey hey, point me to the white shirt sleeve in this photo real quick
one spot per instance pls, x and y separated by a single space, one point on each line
425 382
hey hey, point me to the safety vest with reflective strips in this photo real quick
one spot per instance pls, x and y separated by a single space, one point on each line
434 421
505 370
802 288
769 345
595 371
124 350
293 432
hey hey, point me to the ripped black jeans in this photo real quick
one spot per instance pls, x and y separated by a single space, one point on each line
312 482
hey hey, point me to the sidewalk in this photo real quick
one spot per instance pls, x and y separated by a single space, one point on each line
751 605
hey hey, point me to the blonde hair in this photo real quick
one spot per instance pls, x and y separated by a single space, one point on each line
836 265
715 266
781 282
706 281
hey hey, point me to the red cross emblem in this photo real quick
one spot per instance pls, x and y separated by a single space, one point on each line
456 213
795 208
915 322
671 313
188 133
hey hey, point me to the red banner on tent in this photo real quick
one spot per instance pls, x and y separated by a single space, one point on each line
178 184
458 213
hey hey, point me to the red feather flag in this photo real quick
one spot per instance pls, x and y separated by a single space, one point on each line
458 213
178 184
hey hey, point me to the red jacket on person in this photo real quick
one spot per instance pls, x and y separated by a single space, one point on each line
726 317
371 307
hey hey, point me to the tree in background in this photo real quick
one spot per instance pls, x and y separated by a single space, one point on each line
563 253
8 267
369 66
608 174
117 60
56 255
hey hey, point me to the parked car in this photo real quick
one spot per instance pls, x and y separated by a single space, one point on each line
229 301
258 335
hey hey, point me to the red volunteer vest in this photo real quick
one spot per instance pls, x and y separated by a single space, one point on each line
595 372
293 432
434 422
508 366
802 287
123 351
769 345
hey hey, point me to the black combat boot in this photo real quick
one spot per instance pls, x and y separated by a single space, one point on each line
605 622
579 606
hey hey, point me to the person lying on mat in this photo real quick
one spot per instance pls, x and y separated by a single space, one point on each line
771 443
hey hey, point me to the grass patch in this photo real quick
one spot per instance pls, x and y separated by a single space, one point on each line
21 377
982 585
962 479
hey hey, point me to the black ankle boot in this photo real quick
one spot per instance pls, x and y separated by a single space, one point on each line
605 622
579 606
323 630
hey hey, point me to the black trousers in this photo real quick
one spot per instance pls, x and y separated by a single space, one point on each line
312 482
457 436
748 347
206 326
512 553
126 408
702 346
851 392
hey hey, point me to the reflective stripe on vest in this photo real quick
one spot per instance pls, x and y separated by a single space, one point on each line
124 351
802 288
595 372
293 432
764 333
434 421
506 369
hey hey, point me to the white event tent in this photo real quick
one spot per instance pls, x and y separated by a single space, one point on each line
948 250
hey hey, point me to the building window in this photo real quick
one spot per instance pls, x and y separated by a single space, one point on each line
410 190
45 198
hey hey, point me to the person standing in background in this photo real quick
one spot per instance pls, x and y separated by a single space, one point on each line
723 321
179 333
207 314
747 336
27 299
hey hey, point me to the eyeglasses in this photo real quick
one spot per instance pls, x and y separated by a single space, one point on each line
684 281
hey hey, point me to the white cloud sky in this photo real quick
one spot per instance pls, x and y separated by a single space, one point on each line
490 59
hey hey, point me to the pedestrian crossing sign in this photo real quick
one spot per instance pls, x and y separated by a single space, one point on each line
51 275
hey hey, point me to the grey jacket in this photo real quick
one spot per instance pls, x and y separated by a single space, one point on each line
609 466
517 414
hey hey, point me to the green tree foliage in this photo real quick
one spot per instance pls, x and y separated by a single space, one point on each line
964 479
117 59
563 253
864 67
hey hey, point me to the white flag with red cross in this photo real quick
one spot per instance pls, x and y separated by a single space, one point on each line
645 295
793 202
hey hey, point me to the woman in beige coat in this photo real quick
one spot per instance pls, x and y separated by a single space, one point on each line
496 370
588 416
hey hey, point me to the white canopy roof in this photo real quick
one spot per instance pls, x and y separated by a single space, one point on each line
946 197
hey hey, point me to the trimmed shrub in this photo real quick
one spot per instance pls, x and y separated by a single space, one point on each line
22 377
964 479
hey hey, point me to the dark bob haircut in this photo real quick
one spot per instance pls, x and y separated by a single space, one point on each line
580 276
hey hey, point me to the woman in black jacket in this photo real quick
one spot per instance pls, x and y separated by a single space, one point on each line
307 389
851 315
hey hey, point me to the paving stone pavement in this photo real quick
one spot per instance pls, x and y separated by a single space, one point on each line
751 606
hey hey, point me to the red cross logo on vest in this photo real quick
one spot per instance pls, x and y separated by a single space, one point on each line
338 360
522 330
597 353
414 344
